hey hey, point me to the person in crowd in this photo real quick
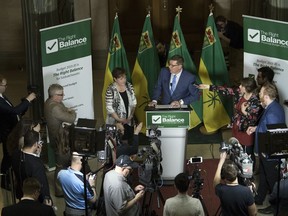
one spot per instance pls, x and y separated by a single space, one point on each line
162 50
9 116
124 146
175 85
265 74
15 139
235 199
29 205
182 203
56 113
72 182
247 108
120 198
283 196
121 102
273 114
230 32
26 163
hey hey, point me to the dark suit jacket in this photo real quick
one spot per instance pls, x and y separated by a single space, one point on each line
27 165
273 114
8 116
28 208
185 89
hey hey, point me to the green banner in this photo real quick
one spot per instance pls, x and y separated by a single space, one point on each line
65 42
265 37
168 119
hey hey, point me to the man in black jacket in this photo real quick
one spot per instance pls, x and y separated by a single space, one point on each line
26 163
29 206
9 116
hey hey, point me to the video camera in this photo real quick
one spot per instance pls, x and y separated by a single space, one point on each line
239 157
151 169
34 89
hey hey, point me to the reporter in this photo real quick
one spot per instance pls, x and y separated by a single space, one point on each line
235 199
72 183
120 199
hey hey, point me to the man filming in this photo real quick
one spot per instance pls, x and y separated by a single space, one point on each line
235 199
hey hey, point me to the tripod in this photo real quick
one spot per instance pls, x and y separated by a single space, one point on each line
196 194
154 189
198 185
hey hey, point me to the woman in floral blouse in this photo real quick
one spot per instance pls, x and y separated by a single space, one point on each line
121 102
247 109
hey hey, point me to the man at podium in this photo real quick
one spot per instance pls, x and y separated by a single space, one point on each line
175 86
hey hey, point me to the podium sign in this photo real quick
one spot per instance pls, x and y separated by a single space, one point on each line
168 119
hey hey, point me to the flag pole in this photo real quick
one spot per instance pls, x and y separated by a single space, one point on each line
178 11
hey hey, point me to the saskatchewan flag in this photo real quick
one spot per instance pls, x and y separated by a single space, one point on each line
116 58
213 70
178 47
146 70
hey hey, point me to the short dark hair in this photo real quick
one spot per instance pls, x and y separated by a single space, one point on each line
229 171
182 182
30 138
31 185
220 18
178 58
249 84
267 73
118 72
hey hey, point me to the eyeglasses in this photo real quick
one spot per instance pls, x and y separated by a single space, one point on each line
59 94
171 65
4 85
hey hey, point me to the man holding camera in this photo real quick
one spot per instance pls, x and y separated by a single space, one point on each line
235 199
120 198
9 116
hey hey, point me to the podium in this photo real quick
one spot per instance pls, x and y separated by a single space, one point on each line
173 124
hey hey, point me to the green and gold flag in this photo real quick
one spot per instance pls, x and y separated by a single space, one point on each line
213 70
178 47
146 69
116 58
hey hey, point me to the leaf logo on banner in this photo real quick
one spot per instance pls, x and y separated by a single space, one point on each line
115 45
176 41
210 39
145 42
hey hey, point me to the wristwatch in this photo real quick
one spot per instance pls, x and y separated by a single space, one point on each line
181 102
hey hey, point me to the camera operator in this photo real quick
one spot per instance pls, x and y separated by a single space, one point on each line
72 183
9 116
182 203
120 198
124 146
235 199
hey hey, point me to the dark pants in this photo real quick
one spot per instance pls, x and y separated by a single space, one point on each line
268 175
5 165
